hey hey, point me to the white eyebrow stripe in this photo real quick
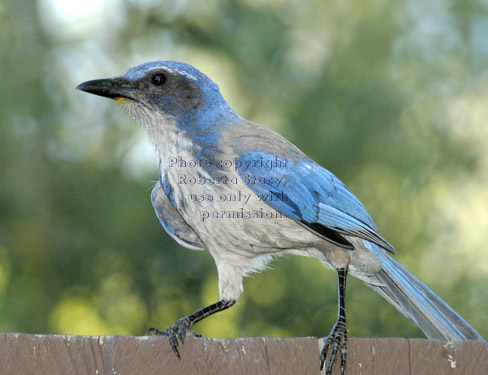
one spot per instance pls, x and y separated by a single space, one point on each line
173 71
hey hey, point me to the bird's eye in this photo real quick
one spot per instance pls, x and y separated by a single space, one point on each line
158 79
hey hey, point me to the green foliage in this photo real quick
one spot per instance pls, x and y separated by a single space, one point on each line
388 96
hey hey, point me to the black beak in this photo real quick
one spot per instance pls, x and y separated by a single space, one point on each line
113 88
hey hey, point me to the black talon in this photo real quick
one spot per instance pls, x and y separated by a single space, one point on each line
155 331
179 330
338 335
173 340
182 327
337 339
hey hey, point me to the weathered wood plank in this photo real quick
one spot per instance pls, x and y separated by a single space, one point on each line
123 355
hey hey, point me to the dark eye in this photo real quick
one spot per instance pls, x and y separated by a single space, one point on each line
158 79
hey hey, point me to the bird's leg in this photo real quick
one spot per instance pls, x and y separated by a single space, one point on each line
182 327
337 338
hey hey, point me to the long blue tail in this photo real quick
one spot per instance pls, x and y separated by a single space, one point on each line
418 303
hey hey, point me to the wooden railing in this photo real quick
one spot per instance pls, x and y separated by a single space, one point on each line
23 354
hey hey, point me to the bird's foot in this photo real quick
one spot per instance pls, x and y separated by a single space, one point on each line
179 330
337 340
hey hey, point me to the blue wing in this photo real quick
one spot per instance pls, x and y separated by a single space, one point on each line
172 221
309 194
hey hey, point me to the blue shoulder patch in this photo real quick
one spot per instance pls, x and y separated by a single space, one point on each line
304 191
303 184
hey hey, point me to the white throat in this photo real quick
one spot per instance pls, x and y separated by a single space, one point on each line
163 133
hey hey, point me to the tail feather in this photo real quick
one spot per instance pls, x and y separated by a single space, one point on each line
418 303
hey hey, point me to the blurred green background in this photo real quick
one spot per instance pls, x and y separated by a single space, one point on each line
389 96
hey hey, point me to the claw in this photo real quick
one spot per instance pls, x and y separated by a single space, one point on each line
337 339
179 330
173 340
182 327
155 331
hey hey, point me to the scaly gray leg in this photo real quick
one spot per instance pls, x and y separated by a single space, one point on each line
338 335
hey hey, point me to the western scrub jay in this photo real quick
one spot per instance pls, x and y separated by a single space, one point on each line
248 195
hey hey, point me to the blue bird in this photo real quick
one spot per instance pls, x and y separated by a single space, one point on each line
247 195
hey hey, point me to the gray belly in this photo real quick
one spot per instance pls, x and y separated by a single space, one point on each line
234 223
240 229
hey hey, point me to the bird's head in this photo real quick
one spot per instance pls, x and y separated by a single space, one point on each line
171 90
